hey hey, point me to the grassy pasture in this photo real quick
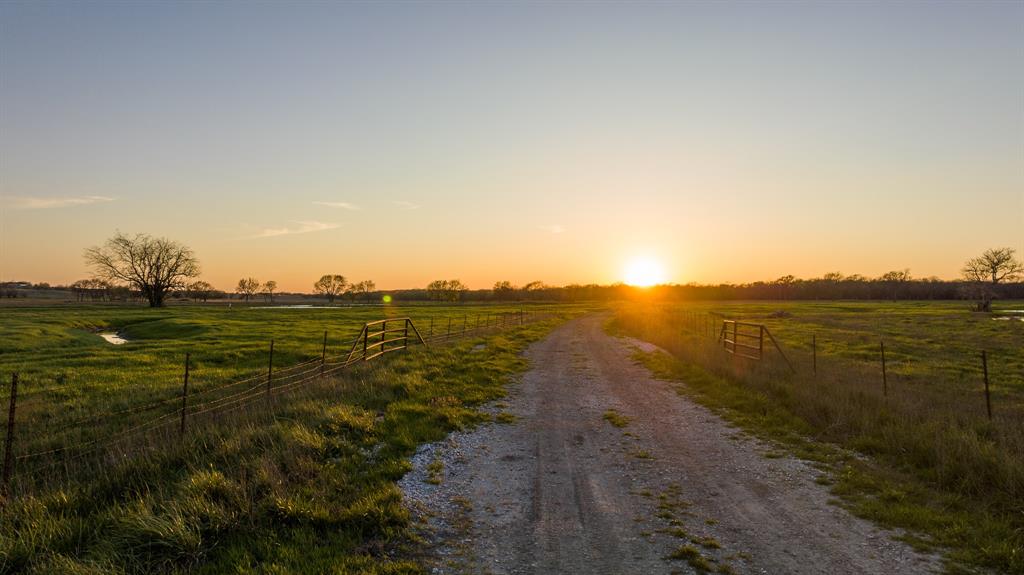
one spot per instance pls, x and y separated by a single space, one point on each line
926 342
306 486
926 457
75 387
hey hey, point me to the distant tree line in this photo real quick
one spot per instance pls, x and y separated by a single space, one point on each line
153 269
791 288
985 278
333 286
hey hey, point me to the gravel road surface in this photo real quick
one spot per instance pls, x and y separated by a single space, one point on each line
561 489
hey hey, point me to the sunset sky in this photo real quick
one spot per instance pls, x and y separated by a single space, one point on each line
555 142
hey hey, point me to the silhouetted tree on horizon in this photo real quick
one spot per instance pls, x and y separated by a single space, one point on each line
330 285
247 287
987 271
153 266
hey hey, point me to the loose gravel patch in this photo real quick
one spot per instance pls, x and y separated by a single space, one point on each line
560 489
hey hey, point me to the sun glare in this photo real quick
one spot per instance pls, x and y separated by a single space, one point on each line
644 272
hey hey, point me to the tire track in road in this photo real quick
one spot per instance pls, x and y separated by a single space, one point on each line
561 490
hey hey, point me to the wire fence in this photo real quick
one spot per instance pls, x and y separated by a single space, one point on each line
40 444
823 359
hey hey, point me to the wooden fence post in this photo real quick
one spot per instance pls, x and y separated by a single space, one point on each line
270 369
988 398
9 442
184 397
885 378
383 334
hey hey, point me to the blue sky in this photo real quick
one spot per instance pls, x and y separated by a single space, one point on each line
732 142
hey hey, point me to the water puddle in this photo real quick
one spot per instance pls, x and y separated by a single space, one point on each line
297 306
113 338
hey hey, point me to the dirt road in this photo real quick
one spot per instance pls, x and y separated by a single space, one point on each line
563 490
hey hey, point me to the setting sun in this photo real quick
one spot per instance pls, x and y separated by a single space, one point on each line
644 272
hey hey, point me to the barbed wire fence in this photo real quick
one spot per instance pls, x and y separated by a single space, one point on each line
814 363
123 433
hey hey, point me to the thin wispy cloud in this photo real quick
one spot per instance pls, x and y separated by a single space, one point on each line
553 229
339 205
301 227
405 205
45 203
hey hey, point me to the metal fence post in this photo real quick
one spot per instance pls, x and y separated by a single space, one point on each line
9 442
184 397
988 398
323 355
270 369
885 378
814 353
735 338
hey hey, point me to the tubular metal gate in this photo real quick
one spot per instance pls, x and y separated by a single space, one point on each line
378 338
747 340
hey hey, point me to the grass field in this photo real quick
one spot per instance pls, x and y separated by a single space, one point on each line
925 341
935 464
309 483
305 485
69 374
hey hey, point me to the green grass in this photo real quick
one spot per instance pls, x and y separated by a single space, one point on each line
71 380
927 343
615 418
919 459
435 472
307 485
692 556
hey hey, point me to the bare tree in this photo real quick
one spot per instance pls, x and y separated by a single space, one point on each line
366 288
363 288
153 266
247 287
783 284
330 286
503 289
446 290
895 279
200 290
987 271
95 289
268 288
